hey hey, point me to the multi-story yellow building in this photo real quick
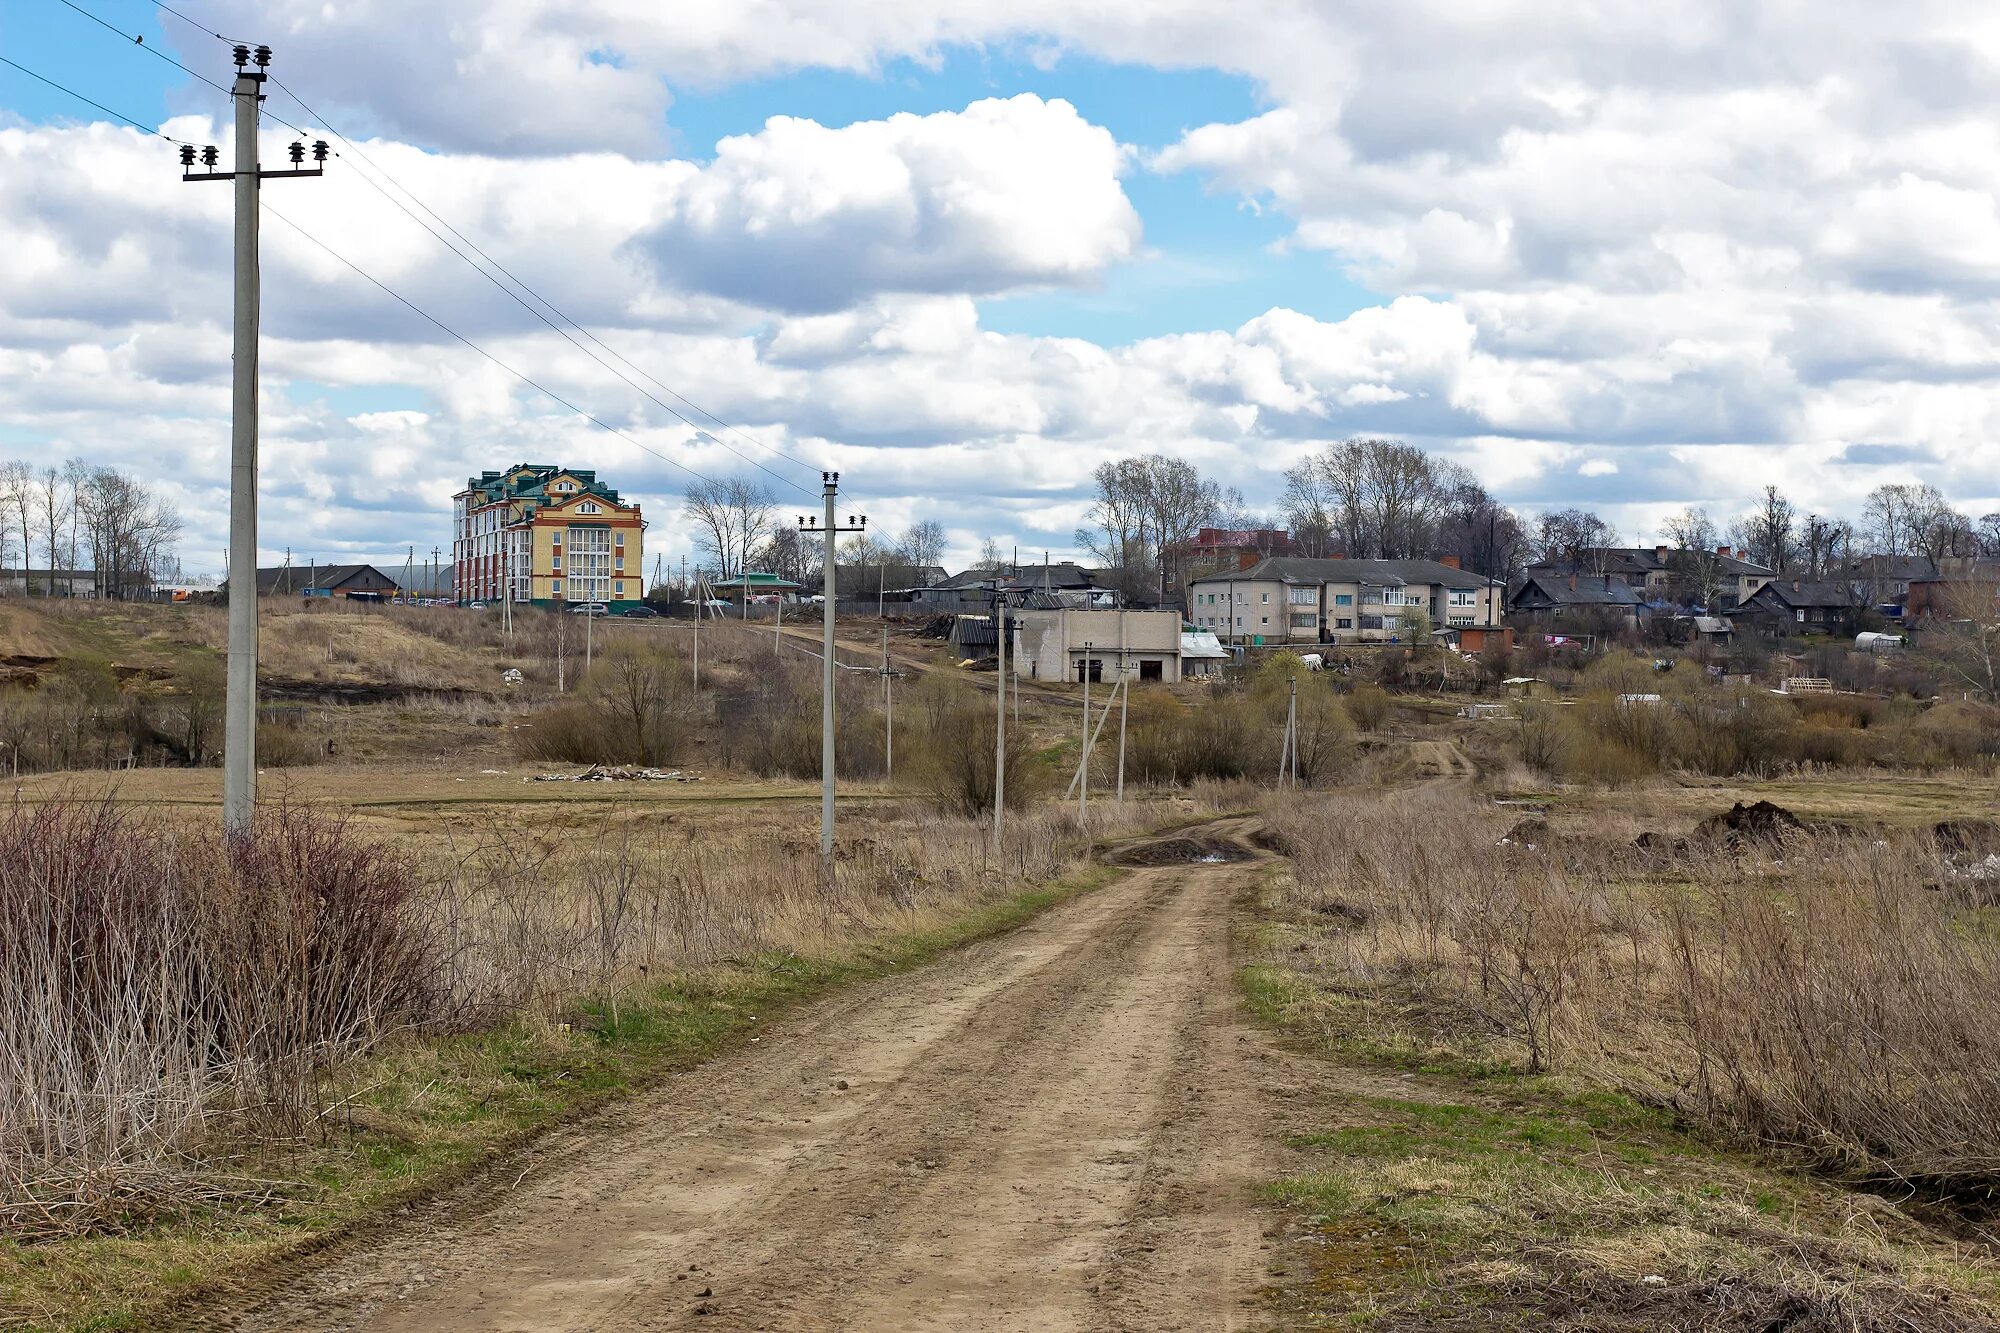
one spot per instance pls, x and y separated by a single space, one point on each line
546 535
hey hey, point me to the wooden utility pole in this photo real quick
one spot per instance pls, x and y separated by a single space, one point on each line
1000 722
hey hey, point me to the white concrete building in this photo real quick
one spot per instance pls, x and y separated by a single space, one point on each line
1066 644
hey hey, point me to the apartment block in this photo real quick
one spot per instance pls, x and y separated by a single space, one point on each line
1290 599
546 535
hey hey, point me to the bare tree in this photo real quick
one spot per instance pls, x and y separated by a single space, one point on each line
1571 538
923 544
1768 532
1695 564
56 500
1147 510
128 530
790 556
1963 633
990 556
731 518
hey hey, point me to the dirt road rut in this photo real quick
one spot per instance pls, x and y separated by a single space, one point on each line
1058 1129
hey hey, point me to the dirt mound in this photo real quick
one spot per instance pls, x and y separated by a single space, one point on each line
1531 832
1740 825
1343 914
1967 837
1178 852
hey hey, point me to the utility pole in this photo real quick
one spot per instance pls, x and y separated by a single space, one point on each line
1083 764
888 713
1124 710
589 619
239 730
1288 753
999 721
829 489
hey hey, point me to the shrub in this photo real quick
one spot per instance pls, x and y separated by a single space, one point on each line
1369 706
947 747
155 976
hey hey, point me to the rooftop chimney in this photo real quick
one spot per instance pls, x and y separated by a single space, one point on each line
1449 562
1245 559
1722 551
1572 580
1660 554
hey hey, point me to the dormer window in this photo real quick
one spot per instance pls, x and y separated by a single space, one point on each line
589 508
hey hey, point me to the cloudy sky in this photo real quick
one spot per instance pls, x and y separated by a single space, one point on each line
1625 255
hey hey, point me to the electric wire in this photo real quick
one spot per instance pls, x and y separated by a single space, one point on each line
544 301
199 27
135 39
119 115
454 333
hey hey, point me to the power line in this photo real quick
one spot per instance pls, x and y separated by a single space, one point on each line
199 27
546 303
557 329
454 333
135 39
140 42
118 115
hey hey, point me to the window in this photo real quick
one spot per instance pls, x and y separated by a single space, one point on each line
1344 622
1458 621
1464 599
1302 596
589 572
1304 622
1343 599
618 563
618 588
1264 597
589 507
1263 620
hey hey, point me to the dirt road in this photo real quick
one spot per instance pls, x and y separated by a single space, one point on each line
1058 1129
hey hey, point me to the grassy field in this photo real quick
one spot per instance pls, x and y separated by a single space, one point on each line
1437 1187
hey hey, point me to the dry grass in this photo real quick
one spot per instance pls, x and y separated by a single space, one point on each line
1836 996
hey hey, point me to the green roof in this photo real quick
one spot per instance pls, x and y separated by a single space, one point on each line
755 579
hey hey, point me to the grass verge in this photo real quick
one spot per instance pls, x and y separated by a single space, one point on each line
1433 1186
428 1114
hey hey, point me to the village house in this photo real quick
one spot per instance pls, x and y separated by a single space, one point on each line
546 535
1293 599
312 579
1659 573
1786 606
1604 597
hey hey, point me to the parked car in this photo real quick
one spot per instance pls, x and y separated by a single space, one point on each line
475 606
590 609
639 613
715 604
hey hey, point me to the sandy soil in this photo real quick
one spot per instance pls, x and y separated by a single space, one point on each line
1058 1129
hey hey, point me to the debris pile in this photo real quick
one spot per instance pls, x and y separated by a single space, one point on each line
617 773
1742 825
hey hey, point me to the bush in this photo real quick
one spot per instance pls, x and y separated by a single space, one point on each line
1369 706
633 708
154 976
948 739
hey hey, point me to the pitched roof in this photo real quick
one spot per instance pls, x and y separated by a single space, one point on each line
1389 573
1589 591
1802 595
300 578
1642 560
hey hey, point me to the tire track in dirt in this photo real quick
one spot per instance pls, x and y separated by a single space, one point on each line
1057 1129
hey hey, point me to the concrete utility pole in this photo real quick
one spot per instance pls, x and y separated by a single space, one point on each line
1124 710
1083 764
239 717
829 489
999 722
888 713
